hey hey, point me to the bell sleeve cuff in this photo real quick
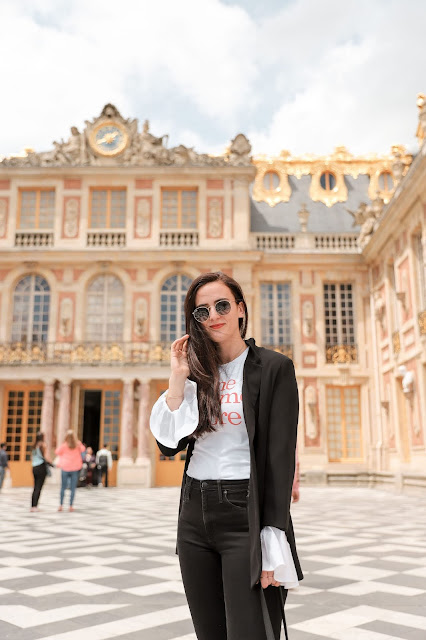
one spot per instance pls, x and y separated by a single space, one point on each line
169 427
277 557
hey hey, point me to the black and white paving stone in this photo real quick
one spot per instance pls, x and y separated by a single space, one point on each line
109 569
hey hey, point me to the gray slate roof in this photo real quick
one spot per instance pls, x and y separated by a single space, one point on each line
283 217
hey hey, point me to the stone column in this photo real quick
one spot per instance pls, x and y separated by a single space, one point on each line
47 410
126 436
64 410
143 420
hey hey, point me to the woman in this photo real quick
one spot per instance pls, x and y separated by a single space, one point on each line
39 461
235 406
70 461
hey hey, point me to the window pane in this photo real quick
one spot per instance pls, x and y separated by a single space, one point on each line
98 209
276 313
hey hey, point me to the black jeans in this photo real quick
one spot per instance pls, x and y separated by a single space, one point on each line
39 473
213 548
102 471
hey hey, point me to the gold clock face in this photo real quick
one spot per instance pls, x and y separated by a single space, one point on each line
108 139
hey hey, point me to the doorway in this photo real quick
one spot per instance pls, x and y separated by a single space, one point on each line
99 419
92 403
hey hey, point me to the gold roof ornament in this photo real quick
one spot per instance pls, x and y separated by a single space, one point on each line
328 174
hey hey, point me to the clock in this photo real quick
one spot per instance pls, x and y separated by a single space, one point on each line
108 139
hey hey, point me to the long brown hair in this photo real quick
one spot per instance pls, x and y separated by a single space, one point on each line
70 439
39 440
203 353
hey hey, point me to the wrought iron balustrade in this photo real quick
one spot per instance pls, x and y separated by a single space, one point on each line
341 353
84 353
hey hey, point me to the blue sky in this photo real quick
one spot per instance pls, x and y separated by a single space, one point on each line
301 75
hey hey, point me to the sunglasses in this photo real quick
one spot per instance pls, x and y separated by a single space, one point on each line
202 314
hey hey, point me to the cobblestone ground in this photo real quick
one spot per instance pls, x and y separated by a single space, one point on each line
108 570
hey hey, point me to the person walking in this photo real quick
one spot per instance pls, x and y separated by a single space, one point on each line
70 462
4 462
234 406
39 461
103 464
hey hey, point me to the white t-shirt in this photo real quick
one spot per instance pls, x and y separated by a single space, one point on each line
224 454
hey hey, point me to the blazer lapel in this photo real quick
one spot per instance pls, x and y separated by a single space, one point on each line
251 387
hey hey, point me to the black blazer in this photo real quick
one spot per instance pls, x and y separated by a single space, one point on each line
271 408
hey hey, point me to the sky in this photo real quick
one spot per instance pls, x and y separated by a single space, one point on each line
300 75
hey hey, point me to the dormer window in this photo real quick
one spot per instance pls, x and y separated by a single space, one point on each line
271 181
328 181
385 182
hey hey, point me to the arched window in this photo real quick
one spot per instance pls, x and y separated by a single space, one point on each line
385 182
271 181
172 320
328 181
31 304
105 309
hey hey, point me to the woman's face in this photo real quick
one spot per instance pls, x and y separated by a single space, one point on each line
220 328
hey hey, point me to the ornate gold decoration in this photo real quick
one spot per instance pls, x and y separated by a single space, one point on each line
272 196
341 354
396 342
285 349
341 163
422 322
108 138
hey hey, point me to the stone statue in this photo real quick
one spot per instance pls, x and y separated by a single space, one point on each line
239 151
368 215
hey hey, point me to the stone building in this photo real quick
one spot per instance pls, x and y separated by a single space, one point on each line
101 236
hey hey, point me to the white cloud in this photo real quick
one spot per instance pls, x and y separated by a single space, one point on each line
309 77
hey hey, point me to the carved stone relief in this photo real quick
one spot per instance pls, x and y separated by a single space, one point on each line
308 318
71 218
65 317
143 217
3 216
140 317
215 218
310 412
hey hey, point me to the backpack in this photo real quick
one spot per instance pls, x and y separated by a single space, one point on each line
103 461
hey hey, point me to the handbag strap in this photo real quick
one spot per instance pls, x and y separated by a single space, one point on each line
266 617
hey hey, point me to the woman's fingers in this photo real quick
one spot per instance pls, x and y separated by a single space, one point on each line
178 344
266 578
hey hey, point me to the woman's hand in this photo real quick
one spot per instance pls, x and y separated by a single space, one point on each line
178 358
267 578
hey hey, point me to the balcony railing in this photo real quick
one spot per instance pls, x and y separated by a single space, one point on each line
106 239
274 242
84 353
33 239
341 353
178 239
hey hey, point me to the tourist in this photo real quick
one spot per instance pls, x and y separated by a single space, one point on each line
41 464
4 462
103 465
235 405
70 462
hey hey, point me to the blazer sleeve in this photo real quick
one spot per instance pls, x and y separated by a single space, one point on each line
281 448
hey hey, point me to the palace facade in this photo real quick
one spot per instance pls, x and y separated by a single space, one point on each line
101 236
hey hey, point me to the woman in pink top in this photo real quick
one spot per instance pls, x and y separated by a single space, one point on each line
70 461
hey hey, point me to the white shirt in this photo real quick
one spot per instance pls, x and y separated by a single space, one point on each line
223 454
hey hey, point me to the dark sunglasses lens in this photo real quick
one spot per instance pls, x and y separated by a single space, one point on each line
223 307
201 314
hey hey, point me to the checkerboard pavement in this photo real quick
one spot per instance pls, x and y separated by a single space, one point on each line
109 570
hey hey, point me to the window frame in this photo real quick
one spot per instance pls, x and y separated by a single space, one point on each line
105 326
179 226
38 191
339 315
109 191
344 433
179 294
17 326
287 315
327 173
